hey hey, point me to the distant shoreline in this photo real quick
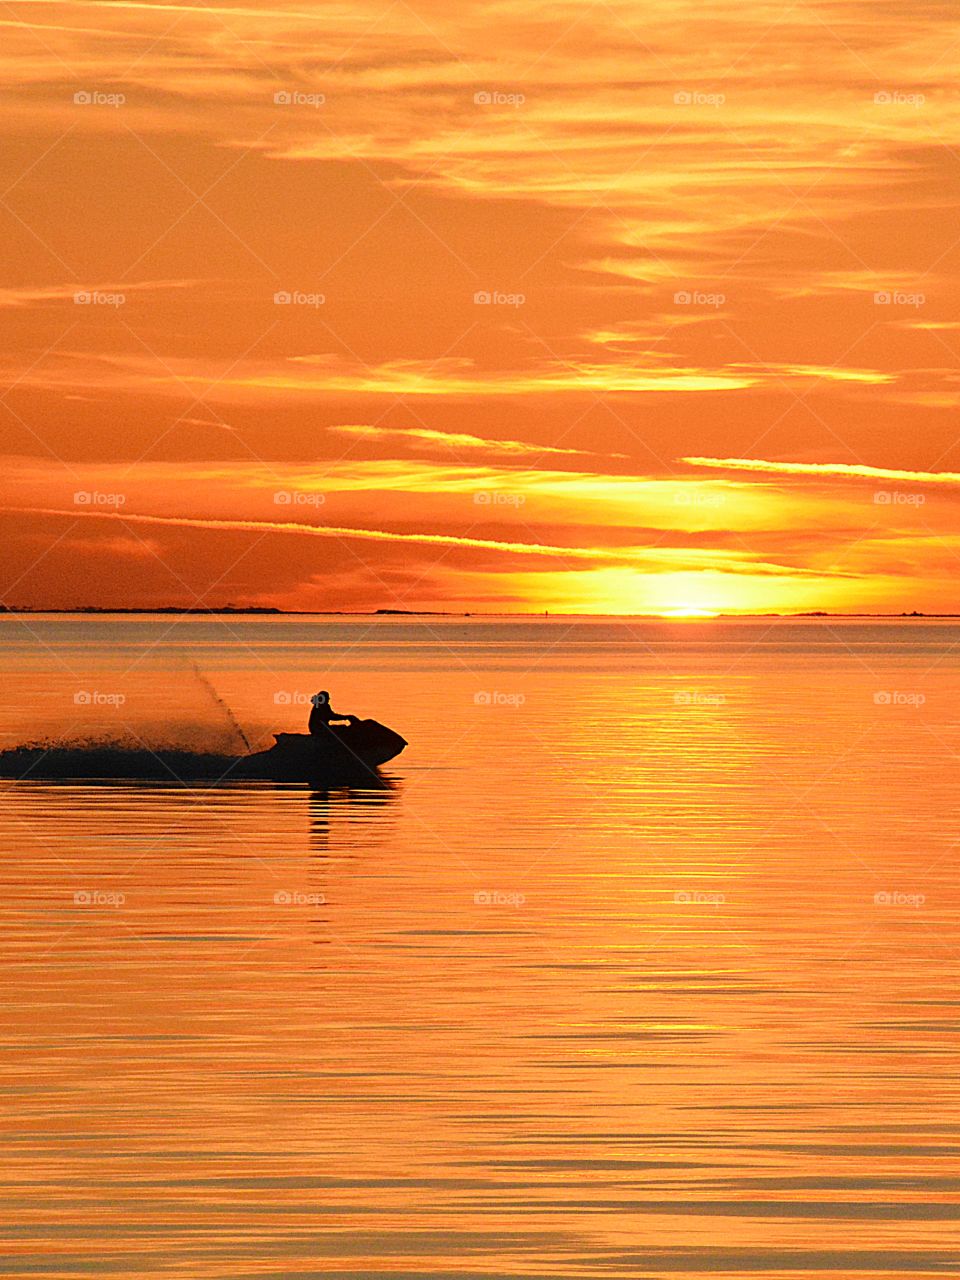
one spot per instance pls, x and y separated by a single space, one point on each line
272 612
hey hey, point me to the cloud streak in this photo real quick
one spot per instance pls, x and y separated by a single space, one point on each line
43 295
839 470
463 442
670 558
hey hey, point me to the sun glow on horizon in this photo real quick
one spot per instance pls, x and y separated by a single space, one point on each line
688 612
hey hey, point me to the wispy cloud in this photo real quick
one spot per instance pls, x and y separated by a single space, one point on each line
821 373
648 558
80 293
339 531
462 442
843 470
324 374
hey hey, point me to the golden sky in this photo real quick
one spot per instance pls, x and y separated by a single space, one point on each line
621 307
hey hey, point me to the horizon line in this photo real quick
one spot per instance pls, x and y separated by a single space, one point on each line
277 611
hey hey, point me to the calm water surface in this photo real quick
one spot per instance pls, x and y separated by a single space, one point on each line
643 962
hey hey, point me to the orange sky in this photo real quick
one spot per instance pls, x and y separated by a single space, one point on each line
713 365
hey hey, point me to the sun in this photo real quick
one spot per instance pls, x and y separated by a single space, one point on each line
688 611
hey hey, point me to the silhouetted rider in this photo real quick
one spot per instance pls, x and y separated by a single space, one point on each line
322 715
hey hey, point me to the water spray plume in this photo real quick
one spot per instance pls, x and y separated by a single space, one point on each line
222 705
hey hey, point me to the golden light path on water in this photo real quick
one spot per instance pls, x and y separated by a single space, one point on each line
642 962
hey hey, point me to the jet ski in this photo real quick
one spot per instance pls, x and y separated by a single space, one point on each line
340 750
341 753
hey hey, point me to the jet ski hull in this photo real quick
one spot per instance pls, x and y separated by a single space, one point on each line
343 753
341 750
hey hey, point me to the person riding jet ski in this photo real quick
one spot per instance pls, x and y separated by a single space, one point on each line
323 715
